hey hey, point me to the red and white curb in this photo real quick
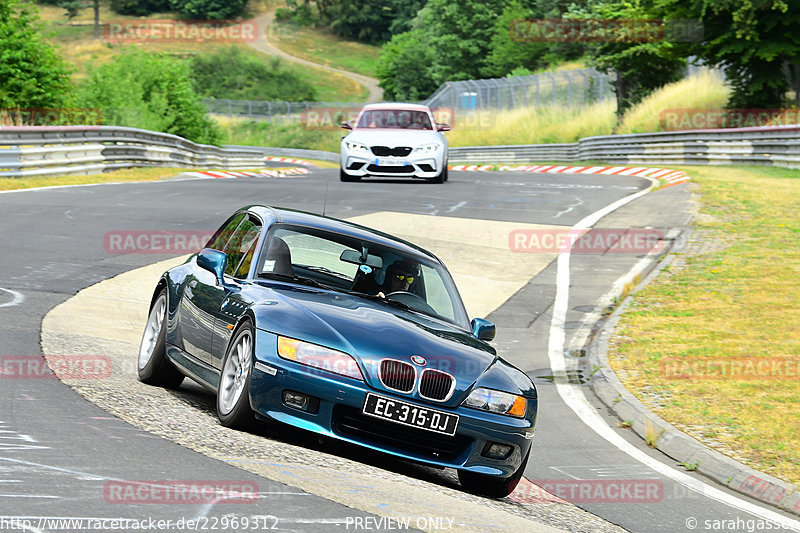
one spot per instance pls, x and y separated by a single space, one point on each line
671 177
266 173
289 160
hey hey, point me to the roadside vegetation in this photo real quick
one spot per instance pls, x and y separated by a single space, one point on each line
732 295
128 174
321 46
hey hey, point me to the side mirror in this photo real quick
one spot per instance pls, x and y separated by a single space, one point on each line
346 125
442 127
214 261
483 329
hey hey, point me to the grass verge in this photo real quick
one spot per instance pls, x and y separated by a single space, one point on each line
732 296
325 48
127 174
293 135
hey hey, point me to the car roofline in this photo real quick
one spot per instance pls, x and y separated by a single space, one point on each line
298 217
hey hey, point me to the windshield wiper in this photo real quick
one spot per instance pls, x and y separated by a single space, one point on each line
296 279
395 303
324 270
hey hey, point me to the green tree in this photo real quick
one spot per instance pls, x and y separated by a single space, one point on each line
460 33
149 91
369 21
753 41
510 49
209 9
139 8
32 74
403 67
641 64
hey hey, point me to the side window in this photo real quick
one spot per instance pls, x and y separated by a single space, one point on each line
240 243
223 235
244 266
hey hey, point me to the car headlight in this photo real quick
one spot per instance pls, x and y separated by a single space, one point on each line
494 401
427 148
320 357
356 147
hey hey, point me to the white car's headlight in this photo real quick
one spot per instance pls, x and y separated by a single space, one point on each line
356 147
320 357
427 148
494 401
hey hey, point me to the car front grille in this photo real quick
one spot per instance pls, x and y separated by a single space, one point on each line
436 385
394 170
386 151
397 375
352 422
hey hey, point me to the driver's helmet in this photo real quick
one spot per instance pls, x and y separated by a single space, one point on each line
402 270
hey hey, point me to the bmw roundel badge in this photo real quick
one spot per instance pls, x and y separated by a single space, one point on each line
418 360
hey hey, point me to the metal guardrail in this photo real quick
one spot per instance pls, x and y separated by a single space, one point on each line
41 151
298 153
51 150
772 145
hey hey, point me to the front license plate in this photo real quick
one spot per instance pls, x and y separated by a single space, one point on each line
388 162
410 414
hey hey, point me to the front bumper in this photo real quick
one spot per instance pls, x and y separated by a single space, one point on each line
337 413
360 164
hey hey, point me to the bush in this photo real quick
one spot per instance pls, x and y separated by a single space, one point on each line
292 135
139 8
231 73
149 91
209 9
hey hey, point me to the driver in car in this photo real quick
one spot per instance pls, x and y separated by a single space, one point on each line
399 277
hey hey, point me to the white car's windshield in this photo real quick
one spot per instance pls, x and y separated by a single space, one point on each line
403 119
345 263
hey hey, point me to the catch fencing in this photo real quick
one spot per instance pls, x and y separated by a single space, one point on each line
568 88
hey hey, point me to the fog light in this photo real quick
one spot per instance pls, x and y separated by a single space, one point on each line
495 450
300 401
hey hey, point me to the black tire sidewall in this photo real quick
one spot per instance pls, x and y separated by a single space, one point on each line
150 373
241 416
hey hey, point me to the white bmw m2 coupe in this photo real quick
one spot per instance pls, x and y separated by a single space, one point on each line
394 140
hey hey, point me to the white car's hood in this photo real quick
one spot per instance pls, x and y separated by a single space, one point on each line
394 138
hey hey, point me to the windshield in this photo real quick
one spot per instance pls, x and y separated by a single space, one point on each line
403 119
364 268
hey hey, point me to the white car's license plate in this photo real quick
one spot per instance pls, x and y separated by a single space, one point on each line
410 414
390 162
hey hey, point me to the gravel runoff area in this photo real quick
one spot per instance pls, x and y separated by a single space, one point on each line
107 319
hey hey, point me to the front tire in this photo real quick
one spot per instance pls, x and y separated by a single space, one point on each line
233 393
153 365
442 177
344 176
492 486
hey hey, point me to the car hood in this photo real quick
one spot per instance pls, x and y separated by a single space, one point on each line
371 330
394 137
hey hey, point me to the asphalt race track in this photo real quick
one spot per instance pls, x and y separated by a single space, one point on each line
59 453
